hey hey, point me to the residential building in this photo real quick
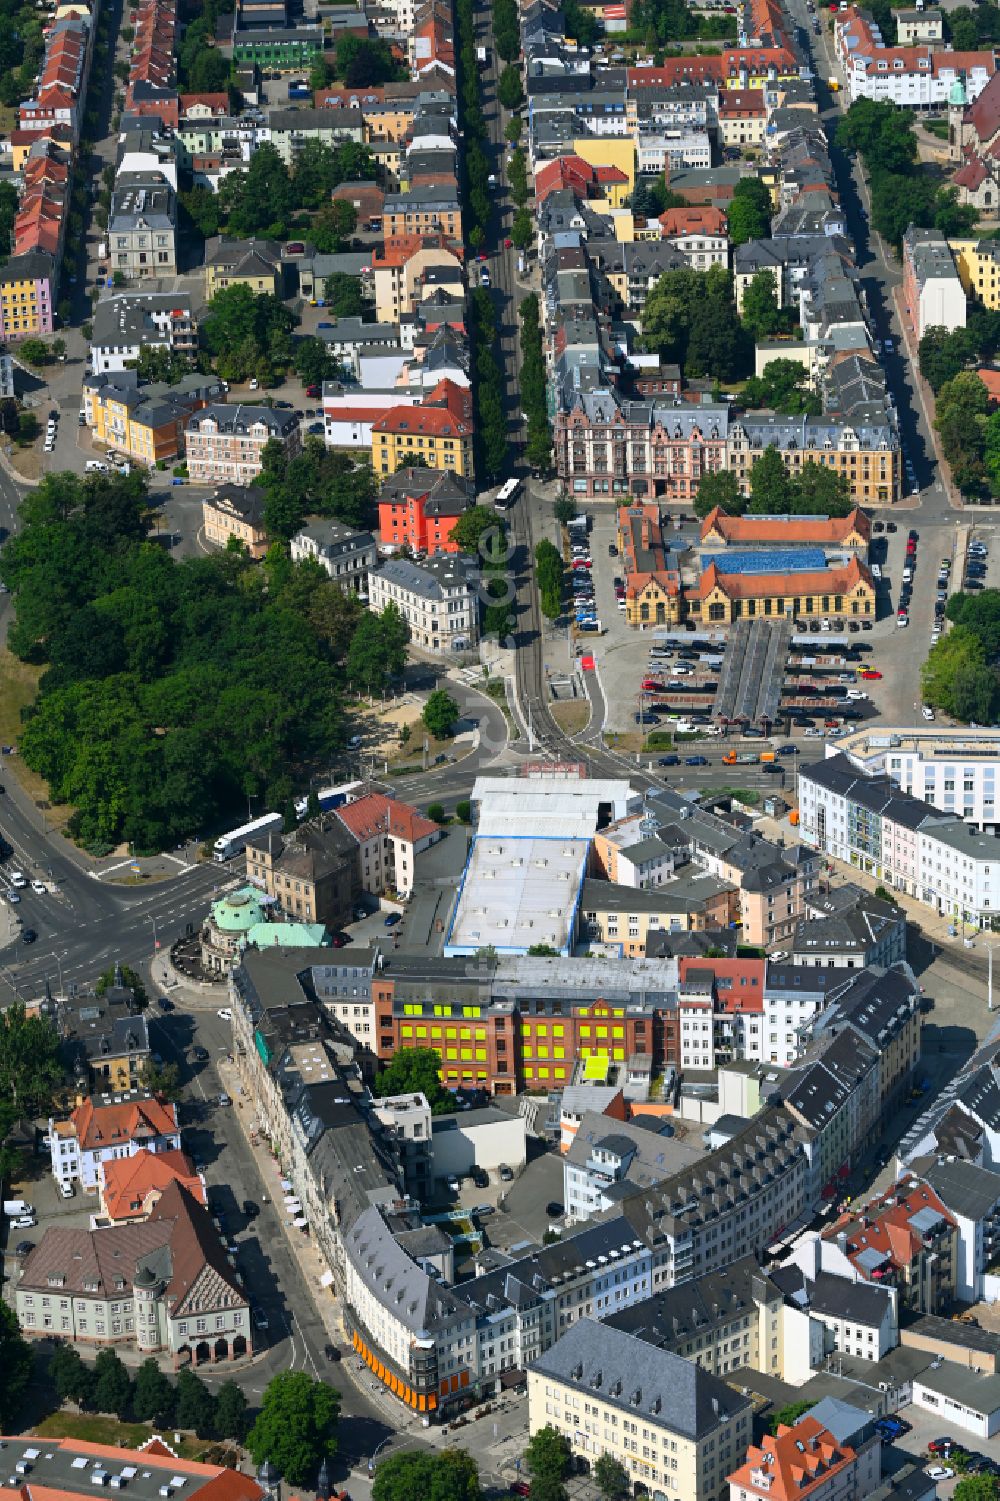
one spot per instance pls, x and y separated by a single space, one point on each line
130 1187
803 1461
163 1284
418 508
400 267
390 835
27 295
344 553
933 294
293 50
605 1154
106 1127
68 1465
144 421
423 210
438 598
904 842
848 928
438 433
236 512
971 1195
311 873
742 117
904 1239
833 1093
852 1318
250 263
724 1321
913 76
407 1118
631 917
952 768
606 446
977 264
105 1038
883 1008
127 323
292 129
6 377
915 26
142 229
866 451
225 443
700 234
694 1427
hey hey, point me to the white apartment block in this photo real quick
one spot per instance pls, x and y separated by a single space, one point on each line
437 598
955 770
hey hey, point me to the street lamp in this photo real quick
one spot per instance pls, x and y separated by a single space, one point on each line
150 918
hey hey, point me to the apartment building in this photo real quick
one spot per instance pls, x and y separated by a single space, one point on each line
916 76
865 451
607 1153
905 1239
607 446
971 1197
953 769
142 228
105 1038
390 835
438 599
27 295
126 324
131 1186
224 444
145 421
849 928
253 263
438 433
699 234
630 917
670 1423
236 512
418 508
905 842
312 873
803 1463
723 1321
345 554
933 294
164 1284
109 1126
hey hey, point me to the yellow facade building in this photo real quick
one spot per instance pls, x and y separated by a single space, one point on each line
607 151
978 265
722 597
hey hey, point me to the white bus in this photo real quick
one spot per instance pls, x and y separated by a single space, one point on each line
507 494
235 842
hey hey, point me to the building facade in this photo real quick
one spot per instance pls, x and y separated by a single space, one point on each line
438 598
224 444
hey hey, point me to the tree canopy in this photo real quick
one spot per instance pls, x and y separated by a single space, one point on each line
450 1475
690 317
882 134
784 388
296 1428
17 1363
440 714
749 213
548 1454
961 673
172 689
416 1071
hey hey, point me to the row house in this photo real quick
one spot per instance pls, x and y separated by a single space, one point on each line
606 445
129 322
720 1011
905 1239
152 77
933 292
914 77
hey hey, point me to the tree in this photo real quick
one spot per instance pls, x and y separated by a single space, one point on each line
195 1404
258 201
690 317
952 218
71 1379
153 1395
480 532
18 1364
112 1384
770 486
564 509
296 1427
436 813
162 1079
942 356
28 428
548 1454
378 649
522 230
34 352
416 1071
463 810
549 573
244 331
510 91
450 1475
612 1477
166 365
342 294
719 488
230 1411
440 714
542 951
361 63
127 978
960 420
977 1488
761 315
30 1066
749 212
782 387
313 362
332 228
787 1416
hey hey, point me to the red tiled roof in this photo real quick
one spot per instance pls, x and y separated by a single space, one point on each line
781 530
700 219
377 814
991 380
783 585
99 1125
796 1462
129 1181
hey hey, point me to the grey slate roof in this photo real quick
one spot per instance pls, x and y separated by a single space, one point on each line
670 1318
430 578
638 1378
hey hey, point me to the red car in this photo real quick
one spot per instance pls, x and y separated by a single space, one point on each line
651 685
313 391
911 548
870 674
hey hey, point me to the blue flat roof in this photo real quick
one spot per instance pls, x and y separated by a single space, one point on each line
792 560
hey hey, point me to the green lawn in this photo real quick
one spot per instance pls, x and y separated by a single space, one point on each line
101 1428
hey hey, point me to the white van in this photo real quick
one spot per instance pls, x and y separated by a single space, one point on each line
95 466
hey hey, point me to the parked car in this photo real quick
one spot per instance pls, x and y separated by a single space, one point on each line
669 761
695 760
504 1173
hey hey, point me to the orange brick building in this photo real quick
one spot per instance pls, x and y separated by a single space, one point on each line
418 509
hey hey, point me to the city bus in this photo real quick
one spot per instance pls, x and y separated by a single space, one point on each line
507 494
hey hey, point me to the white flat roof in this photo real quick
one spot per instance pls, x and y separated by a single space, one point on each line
550 806
518 891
